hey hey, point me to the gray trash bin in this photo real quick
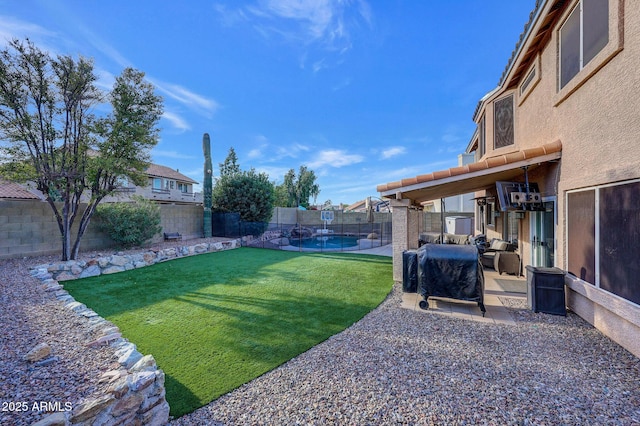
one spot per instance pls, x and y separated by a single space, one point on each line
545 290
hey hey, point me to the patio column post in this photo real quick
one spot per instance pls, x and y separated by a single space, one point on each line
406 226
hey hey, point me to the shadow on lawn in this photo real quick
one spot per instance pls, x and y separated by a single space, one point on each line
115 294
214 322
181 400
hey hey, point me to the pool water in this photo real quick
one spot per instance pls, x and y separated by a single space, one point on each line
333 242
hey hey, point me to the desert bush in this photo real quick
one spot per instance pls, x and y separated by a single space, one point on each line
130 224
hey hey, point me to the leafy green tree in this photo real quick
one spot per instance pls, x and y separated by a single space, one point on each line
249 193
130 224
230 165
280 198
47 122
299 188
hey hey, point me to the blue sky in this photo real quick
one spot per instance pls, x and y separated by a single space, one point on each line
362 92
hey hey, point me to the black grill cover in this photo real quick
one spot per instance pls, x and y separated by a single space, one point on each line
450 270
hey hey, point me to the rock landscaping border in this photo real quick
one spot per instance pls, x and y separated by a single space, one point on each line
133 389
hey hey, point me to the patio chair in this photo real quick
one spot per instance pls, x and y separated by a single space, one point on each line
497 245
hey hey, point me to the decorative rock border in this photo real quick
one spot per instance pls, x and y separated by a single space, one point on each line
119 262
134 392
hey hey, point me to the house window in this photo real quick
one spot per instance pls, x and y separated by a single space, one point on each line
482 148
489 216
603 238
172 184
511 225
157 183
527 81
503 122
582 36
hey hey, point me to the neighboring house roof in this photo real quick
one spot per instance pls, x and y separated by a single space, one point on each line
167 172
15 191
357 205
471 177
361 206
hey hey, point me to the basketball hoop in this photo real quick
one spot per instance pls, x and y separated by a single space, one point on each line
327 217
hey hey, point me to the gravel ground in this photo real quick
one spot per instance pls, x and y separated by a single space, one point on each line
403 367
393 367
29 316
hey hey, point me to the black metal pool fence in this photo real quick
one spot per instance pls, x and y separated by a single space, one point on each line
308 230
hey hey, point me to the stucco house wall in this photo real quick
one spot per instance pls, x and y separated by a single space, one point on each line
594 120
596 117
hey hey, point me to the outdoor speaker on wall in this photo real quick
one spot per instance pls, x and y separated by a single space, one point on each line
514 196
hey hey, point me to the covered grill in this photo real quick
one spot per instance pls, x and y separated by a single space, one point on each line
451 271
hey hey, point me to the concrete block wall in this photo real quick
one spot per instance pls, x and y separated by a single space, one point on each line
185 219
29 228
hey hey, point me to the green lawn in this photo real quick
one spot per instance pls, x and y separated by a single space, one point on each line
218 320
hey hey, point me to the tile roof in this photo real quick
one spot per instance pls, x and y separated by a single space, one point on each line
167 172
487 166
15 191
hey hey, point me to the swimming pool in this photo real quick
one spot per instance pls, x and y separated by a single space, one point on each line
326 242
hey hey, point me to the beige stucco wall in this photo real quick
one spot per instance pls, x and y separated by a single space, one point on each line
597 119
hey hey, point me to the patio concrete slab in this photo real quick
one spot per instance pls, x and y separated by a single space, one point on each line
496 313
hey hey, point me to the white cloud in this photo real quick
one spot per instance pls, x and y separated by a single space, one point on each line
11 28
291 151
325 24
177 121
254 153
334 158
275 173
393 151
186 97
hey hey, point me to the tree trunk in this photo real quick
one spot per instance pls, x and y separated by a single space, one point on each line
84 224
66 232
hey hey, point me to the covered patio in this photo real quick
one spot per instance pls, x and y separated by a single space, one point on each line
408 195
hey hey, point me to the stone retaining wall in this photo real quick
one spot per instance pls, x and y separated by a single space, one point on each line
132 393
73 269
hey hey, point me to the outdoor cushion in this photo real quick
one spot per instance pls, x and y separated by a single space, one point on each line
498 245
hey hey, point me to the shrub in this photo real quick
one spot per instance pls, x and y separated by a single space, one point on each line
130 223
248 193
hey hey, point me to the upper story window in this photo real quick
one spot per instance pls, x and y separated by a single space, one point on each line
583 35
503 122
527 81
482 142
157 183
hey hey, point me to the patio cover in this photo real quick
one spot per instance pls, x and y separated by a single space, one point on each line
471 177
